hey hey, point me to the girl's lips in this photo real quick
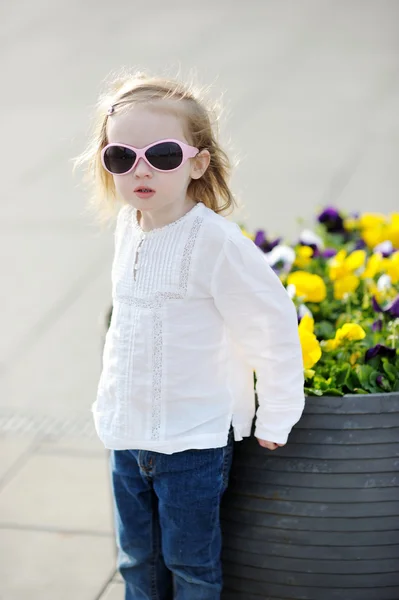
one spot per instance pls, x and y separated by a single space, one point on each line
144 194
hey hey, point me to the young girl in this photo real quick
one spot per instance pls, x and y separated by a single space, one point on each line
196 309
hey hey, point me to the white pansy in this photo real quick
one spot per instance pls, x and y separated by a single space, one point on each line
310 238
384 283
283 254
385 248
303 310
291 290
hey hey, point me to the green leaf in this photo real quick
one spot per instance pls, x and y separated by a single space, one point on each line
313 392
364 372
332 392
352 381
390 371
374 362
385 384
324 330
373 378
343 375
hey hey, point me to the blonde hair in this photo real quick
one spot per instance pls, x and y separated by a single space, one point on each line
200 121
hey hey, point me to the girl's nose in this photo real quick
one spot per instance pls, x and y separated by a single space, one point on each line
142 169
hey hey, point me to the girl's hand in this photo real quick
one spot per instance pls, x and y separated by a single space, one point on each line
269 445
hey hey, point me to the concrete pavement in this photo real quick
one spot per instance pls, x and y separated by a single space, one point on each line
311 94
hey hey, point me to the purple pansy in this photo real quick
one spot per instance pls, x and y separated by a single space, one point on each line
329 253
379 349
377 325
360 244
331 219
263 243
392 309
375 305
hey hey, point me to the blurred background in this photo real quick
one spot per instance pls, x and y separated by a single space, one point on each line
311 95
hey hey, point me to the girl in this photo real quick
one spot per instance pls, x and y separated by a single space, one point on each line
195 309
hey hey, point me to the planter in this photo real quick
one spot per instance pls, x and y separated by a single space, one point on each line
319 518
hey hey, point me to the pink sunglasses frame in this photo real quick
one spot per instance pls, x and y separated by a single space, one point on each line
188 152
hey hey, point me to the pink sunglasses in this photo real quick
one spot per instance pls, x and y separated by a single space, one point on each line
165 155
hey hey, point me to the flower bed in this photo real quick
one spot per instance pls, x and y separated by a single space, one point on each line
318 519
344 280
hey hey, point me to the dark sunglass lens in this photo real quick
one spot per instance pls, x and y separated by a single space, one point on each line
119 159
165 156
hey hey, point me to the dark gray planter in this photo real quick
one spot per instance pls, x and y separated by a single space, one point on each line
319 518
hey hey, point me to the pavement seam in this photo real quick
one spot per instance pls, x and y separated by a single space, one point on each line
19 463
70 453
49 426
49 529
105 586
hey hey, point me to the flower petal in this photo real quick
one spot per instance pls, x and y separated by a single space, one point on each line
379 349
393 308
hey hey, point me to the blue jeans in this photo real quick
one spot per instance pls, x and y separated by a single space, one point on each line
167 521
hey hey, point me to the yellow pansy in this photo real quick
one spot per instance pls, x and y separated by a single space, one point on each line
374 265
373 227
350 331
372 220
311 350
373 237
392 267
330 345
351 224
337 265
309 287
303 256
355 260
345 285
393 230
376 228
307 323
341 268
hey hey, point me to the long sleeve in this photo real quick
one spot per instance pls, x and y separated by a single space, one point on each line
262 319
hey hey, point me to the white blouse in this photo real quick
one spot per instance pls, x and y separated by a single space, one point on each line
196 309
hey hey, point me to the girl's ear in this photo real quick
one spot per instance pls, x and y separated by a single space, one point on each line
199 164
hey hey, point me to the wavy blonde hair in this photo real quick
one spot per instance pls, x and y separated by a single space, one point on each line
200 122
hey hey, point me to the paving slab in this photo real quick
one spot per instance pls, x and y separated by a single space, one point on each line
57 373
74 446
39 565
43 279
13 452
62 492
115 591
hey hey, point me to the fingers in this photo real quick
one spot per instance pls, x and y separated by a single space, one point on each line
269 445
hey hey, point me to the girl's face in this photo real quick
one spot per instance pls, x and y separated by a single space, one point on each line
139 127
